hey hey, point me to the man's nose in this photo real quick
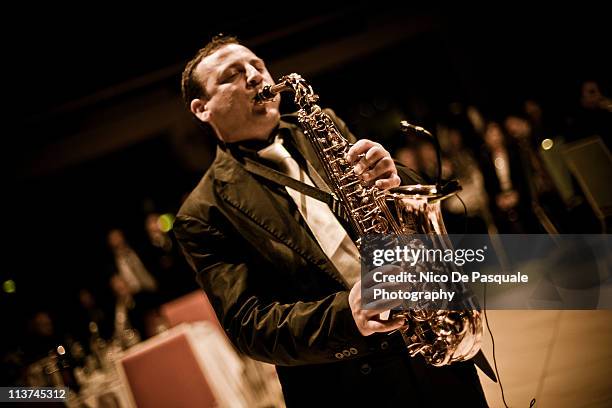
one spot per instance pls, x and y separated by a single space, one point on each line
254 77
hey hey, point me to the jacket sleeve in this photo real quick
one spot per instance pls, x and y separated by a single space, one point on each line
283 334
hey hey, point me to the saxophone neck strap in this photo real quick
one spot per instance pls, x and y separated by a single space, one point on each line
282 179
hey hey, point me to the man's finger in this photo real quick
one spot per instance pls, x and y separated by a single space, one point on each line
381 305
375 153
383 167
387 183
361 146
377 326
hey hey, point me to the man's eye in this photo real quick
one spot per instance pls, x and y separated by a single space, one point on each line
230 76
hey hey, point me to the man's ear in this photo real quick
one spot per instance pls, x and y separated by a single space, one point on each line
199 108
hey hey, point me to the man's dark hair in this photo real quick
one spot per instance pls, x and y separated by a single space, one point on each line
191 87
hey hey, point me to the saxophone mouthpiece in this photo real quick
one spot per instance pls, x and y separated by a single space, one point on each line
265 94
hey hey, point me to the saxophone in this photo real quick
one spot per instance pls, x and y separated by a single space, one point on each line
440 336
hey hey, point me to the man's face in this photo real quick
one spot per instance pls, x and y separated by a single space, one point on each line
232 75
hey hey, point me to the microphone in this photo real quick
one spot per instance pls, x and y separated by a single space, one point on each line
408 128
405 127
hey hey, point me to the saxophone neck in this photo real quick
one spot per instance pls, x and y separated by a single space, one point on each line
304 97
269 92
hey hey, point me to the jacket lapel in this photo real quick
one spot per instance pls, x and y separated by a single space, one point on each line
239 188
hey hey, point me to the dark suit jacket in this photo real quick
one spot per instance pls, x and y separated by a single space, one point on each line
282 301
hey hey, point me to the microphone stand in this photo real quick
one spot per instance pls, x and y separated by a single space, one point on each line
406 128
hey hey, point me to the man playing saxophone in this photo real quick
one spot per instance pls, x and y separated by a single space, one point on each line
279 269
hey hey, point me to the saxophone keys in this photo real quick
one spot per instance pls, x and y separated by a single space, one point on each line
347 175
352 183
358 189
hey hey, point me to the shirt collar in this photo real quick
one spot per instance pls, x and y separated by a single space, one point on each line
249 148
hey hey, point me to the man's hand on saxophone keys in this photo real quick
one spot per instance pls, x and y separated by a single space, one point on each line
374 164
367 317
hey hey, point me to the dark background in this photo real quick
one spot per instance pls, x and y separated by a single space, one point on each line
91 147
